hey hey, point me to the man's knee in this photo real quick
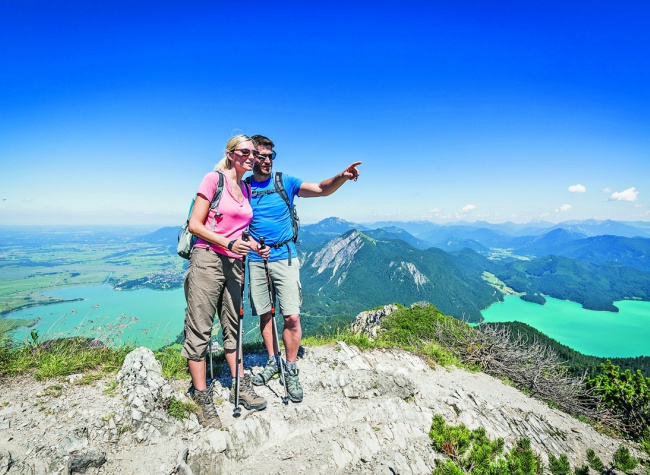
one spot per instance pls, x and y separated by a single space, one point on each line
292 321
265 318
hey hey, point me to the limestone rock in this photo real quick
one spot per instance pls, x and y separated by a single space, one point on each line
146 393
80 463
367 323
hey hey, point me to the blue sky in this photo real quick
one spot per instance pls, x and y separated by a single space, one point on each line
111 112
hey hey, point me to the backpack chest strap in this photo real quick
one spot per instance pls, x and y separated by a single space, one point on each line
256 193
281 244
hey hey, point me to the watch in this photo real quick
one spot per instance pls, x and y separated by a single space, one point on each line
231 244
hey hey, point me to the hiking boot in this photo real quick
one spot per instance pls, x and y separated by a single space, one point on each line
247 396
207 412
294 388
270 371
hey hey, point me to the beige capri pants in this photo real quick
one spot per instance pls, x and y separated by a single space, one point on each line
212 285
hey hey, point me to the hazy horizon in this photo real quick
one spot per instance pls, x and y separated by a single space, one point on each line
541 223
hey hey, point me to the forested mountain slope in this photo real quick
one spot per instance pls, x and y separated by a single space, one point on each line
355 271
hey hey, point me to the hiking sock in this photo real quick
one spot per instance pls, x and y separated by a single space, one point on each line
291 366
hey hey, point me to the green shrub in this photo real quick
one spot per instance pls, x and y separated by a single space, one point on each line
594 461
622 460
471 452
627 394
559 466
645 444
413 327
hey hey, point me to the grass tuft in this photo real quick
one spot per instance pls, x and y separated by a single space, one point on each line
179 409
60 357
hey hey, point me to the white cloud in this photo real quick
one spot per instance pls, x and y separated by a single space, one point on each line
563 209
627 195
577 188
607 190
468 208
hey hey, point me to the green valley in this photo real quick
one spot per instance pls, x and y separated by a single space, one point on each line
88 258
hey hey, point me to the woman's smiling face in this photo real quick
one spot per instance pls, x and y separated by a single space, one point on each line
243 156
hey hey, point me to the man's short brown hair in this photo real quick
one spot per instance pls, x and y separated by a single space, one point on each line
263 141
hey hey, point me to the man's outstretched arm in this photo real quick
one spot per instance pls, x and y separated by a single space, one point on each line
329 186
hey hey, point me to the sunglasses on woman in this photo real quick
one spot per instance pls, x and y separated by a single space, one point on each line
244 152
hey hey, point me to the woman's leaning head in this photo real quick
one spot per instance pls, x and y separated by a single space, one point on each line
233 144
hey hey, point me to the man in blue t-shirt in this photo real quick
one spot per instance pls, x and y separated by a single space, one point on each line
272 221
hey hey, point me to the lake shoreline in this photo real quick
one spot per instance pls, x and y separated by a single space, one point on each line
7 313
587 331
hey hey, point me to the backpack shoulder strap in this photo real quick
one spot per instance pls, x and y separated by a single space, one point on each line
247 185
214 204
295 222
279 187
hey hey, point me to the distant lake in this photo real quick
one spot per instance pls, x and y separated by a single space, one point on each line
144 317
622 334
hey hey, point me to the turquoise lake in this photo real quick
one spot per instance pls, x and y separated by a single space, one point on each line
622 334
144 317
154 318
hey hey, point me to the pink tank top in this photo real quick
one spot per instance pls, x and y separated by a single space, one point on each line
234 215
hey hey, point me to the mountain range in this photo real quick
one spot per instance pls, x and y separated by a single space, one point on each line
347 267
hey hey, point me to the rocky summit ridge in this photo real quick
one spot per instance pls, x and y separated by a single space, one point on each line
364 412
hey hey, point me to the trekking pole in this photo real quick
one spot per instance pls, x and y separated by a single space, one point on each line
237 410
276 341
210 355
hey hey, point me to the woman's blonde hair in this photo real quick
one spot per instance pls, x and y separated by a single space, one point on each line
225 163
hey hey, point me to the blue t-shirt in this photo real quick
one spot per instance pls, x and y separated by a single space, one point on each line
271 216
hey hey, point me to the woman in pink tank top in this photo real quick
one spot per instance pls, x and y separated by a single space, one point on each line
213 284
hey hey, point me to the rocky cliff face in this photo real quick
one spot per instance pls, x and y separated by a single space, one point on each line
337 255
406 270
363 413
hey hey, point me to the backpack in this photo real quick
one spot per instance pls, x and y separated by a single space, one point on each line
186 239
279 188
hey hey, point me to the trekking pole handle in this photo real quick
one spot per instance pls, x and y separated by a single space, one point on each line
262 245
245 235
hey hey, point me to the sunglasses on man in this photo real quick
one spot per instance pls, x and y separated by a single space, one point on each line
264 156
